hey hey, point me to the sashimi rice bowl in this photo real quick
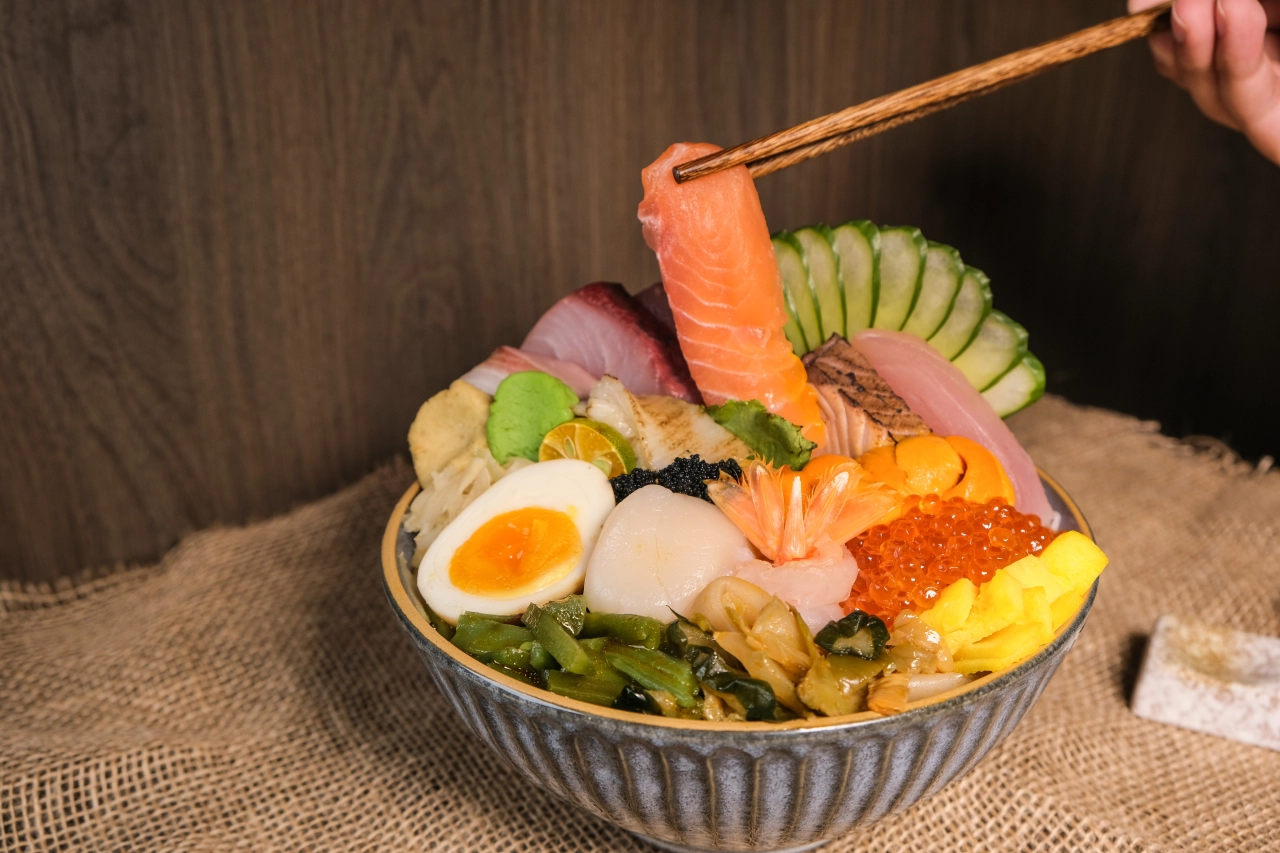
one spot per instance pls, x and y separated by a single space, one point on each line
770 498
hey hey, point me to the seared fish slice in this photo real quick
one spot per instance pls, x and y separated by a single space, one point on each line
860 409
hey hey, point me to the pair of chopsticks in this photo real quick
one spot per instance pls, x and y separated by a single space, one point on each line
818 136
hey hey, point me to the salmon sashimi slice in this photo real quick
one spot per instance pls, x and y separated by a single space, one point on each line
860 409
723 286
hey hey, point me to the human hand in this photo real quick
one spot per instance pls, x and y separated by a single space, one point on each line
1226 54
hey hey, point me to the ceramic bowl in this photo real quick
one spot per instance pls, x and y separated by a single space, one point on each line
698 786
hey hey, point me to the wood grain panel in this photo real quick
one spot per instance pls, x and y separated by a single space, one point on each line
240 242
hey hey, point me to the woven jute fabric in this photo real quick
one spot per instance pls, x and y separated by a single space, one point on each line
253 691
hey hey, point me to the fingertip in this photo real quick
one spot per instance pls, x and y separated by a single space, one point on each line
1177 28
1194 31
1242 30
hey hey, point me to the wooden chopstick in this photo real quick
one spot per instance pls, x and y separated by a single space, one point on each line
827 133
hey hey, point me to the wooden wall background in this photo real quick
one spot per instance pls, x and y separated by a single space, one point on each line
242 240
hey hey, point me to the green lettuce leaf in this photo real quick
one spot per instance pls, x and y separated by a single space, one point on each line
773 438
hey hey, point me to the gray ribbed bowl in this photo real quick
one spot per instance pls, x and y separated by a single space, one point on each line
688 785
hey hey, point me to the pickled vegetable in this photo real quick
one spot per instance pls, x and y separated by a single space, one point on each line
598 688
521 675
752 698
626 628
483 638
655 671
636 700
558 642
858 634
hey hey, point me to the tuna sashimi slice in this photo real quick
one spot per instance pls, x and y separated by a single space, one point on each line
508 360
723 286
605 330
939 393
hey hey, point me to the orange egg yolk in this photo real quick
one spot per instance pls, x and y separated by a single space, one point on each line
517 553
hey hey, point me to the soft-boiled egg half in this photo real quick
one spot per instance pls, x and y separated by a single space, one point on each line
526 540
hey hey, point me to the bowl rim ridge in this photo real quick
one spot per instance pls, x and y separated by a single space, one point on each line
402 600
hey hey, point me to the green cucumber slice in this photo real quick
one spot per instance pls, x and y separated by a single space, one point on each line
902 253
824 277
1018 388
999 345
807 334
971 307
943 272
857 245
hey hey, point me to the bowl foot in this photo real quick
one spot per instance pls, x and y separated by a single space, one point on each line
680 848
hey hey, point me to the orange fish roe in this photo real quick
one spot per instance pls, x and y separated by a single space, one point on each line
906 563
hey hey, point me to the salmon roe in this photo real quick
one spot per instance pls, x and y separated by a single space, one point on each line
908 562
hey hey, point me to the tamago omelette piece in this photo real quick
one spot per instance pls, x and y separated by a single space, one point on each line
722 281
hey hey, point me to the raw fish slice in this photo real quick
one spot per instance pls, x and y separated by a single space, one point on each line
661 428
654 300
605 330
508 360
723 286
939 393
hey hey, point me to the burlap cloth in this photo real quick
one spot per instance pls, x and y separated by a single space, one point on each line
253 691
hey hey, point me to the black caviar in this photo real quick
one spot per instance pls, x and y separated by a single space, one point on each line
686 475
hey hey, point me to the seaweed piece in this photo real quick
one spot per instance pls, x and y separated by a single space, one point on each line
686 475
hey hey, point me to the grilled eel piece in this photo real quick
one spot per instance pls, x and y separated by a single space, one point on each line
860 409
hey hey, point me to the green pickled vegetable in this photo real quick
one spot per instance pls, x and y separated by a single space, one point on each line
484 639
442 627
594 646
683 634
513 656
569 612
654 670
521 675
626 628
752 698
857 671
512 619
837 684
558 642
706 662
635 699
600 688
858 634
538 657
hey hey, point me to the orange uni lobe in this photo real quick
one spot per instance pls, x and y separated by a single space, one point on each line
517 553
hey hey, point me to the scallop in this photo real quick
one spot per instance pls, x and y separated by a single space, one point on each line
657 551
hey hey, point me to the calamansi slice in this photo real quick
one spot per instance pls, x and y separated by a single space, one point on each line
590 441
